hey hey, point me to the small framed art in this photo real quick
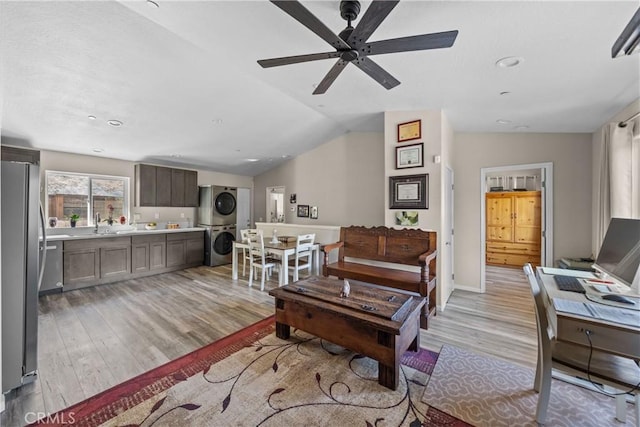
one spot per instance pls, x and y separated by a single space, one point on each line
314 212
410 156
409 192
303 211
409 131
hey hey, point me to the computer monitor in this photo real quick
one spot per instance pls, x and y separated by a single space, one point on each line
619 255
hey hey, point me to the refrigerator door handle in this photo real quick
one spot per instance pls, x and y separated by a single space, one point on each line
42 248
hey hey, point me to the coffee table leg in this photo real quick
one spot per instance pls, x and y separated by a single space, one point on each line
283 331
388 375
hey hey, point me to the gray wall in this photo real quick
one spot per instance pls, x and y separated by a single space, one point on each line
343 178
571 158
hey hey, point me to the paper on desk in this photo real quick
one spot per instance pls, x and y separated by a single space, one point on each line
598 311
567 272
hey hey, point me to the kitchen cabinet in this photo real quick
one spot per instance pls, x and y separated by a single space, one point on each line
97 260
185 248
513 228
94 261
191 193
164 186
177 187
148 252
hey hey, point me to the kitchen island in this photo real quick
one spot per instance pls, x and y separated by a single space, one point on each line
113 255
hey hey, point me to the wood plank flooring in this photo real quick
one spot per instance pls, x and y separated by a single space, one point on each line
92 339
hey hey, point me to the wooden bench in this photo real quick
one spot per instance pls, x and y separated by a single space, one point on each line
382 244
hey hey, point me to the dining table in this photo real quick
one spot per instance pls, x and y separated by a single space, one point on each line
282 250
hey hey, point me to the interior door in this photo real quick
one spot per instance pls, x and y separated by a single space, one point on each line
447 231
243 211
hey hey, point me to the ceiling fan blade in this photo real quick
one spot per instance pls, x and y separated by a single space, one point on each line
372 18
301 14
406 44
376 72
331 76
286 60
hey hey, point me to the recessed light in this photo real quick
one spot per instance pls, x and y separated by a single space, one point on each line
285 156
523 127
253 160
92 117
216 121
97 150
503 122
114 123
152 3
176 156
509 61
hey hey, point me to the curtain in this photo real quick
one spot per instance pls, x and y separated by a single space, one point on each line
618 193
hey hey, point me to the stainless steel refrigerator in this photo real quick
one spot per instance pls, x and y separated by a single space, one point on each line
22 236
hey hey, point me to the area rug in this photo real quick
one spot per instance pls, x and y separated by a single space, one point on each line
485 391
253 378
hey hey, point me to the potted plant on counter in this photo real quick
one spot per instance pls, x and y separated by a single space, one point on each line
74 218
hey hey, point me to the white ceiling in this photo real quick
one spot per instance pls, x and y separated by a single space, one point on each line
183 77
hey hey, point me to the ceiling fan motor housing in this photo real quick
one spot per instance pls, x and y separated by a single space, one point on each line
349 10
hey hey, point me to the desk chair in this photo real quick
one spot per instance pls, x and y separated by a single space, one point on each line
614 371
258 258
302 257
246 255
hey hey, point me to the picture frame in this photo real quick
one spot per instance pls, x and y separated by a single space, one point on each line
410 156
409 131
292 198
409 192
303 211
314 212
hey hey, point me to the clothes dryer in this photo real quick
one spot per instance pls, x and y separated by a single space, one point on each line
218 205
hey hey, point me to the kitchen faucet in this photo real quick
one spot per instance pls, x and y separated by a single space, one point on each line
97 222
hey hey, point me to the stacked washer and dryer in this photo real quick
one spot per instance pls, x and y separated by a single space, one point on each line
217 213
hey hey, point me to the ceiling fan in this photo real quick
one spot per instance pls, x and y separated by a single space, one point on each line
351 44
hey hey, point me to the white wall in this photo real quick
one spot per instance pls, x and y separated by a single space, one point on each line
571 158
67 162
342 177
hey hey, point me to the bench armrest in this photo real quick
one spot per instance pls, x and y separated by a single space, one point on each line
427 257
331 246
425 261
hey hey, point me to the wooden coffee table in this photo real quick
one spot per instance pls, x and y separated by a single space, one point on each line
376 322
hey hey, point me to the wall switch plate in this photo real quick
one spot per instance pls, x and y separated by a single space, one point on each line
292 209
156 215
181 214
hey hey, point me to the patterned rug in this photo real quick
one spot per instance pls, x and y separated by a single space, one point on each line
484 391
253 378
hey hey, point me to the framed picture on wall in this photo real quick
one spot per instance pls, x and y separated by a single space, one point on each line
303 211
409 131
409 192
314 212
410 156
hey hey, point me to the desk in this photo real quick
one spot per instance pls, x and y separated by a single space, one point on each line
283 250
609 337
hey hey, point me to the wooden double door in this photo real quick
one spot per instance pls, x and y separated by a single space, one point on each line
514 221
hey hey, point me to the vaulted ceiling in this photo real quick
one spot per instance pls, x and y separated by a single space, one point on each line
183 80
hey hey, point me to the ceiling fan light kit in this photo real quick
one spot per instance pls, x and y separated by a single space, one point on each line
351 45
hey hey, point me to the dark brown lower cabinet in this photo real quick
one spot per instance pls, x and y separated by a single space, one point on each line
99 260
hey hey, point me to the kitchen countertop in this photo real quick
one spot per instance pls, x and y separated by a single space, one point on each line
121 233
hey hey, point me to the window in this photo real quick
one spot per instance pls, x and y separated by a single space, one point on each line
71 193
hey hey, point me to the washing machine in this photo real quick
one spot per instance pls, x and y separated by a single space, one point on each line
219 244
218 205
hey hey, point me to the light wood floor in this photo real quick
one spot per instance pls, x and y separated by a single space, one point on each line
92 339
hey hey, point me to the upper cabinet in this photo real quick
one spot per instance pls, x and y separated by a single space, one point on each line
163 186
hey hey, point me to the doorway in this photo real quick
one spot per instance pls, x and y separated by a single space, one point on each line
544 172
275 204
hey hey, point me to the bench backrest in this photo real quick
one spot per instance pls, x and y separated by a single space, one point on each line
386 244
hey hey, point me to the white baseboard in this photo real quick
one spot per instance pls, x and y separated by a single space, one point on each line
1 403
467 288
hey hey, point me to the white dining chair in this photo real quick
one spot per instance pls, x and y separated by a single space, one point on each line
246 254
258 258
617 372
303 255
